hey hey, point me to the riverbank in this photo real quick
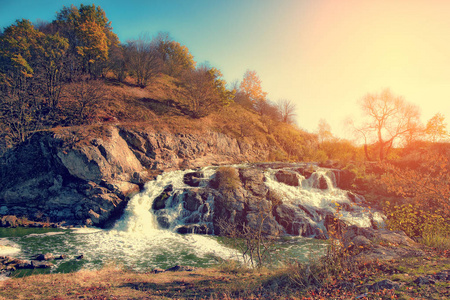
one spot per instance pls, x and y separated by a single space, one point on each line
425 277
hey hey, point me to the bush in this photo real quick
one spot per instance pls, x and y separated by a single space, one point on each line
227 178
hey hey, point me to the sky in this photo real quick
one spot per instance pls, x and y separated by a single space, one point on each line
323 55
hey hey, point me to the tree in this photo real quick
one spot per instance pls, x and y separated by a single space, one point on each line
251 87
205 91
390 120
117 63
436 128
324 131
22 50
176 57
90 36
51 65
83 97
143 59
286 109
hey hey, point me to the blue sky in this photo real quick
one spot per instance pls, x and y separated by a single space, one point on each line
324 55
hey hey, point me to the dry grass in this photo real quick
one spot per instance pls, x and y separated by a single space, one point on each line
114 283
232 281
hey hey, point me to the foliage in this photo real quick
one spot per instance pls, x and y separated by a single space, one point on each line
204 91
32 72
342 151
90 36
299 145
436 128
324 131
252 90
426 193
177 58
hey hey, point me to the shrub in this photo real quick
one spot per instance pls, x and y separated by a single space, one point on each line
227 178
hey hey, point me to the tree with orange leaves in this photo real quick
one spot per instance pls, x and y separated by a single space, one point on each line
251 88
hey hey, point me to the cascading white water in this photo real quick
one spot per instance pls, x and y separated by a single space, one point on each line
313 198
139 241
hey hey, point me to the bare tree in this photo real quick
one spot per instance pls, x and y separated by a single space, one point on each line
389 120
83 97
286 109
143 59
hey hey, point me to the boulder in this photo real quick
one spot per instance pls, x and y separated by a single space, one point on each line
179 268
253 181
344 179
50 172
46 256
160 201
379 244
193 179
384 285
307 170
192 200
163 221
194 228
35 264
288 177
295 221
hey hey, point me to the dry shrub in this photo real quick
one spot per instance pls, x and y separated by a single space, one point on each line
227 178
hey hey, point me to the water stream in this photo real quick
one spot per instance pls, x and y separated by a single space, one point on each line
137 242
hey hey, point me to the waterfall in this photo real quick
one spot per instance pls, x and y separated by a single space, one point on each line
138 217
318 195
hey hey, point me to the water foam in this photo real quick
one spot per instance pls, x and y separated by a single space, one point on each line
8 247
311 197
139 242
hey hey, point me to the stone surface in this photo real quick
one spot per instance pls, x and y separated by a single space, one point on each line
288 177
379 244
384 285
85 175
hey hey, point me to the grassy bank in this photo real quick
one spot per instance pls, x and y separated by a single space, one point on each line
229 281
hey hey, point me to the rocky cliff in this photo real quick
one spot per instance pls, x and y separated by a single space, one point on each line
86 175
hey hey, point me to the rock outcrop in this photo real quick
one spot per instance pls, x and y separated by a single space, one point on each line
86 175
368 244
252 198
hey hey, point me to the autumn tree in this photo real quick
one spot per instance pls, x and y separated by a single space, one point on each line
389 120
176 57
436 128
32 72
286 109
251 88
143 59
52 69
205 91
90 36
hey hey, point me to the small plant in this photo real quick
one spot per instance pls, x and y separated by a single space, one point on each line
227 178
